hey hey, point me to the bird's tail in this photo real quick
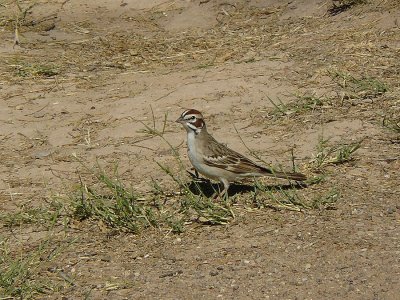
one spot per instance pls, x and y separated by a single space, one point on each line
286 175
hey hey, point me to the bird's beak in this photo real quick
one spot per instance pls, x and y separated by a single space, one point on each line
180 120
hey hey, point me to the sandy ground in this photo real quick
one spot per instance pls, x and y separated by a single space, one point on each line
85 78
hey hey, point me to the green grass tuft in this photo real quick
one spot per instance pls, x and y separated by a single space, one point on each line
301 104
328 155
392 123
110 201
45 216
358 88
32 70
20 273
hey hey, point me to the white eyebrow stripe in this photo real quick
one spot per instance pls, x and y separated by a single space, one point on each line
185 112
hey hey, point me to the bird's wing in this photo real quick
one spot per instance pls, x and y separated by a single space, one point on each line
222 157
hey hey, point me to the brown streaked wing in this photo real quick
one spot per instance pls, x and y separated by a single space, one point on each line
225 158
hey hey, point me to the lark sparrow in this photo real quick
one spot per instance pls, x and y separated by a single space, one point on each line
216 161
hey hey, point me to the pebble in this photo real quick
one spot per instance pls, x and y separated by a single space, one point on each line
106 258
41 154
214 273
391 210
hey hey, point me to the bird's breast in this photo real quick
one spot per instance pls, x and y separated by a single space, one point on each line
196 156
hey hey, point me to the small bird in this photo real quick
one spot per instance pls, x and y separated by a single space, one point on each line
216 161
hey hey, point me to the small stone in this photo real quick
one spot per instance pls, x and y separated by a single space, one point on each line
214 273
203 220
391 210
106 258
39 114
41 154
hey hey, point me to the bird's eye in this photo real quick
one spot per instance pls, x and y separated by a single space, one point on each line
192 118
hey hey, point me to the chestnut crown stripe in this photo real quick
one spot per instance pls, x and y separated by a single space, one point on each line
192 112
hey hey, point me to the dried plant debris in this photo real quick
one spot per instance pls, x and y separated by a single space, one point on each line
339 6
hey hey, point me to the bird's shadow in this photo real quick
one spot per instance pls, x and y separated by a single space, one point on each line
202 186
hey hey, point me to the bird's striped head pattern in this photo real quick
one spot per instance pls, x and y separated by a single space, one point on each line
192 119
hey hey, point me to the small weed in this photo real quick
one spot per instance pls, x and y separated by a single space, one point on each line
20 274
343 5
323 153
110 201
176 225
344 153
206 65
278 197
301 104
24 69
152 131
206 210
332 154
391 123
358 88
288 197
45 216
309 102
326 200
280 108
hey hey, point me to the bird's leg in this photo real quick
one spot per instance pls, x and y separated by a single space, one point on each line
224 194
216 193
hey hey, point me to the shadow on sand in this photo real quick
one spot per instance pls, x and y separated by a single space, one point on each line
202 186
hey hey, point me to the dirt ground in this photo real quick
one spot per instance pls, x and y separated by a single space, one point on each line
84 79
